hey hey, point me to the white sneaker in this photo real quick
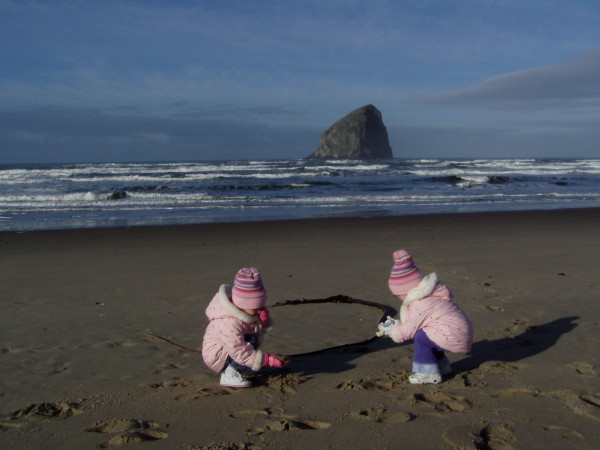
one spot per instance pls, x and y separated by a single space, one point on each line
425 378
232 378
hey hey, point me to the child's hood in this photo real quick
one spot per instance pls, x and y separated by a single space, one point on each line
428 287
221 307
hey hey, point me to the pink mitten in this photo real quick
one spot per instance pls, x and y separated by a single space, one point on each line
272 360
264 317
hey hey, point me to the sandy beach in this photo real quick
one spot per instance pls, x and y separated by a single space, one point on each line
80 369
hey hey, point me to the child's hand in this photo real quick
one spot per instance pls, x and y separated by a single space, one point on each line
385 328
273 360
264 317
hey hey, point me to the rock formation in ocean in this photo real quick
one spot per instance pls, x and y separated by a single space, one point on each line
359 135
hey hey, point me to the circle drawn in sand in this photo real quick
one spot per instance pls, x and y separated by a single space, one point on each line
315 327
322 324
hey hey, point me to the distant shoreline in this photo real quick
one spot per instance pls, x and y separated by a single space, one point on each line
412 218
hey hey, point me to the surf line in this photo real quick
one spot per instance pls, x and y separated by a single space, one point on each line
343 299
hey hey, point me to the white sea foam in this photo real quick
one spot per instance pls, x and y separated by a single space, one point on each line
508 167
156 193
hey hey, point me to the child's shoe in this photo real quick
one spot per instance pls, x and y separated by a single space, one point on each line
232 378
425 378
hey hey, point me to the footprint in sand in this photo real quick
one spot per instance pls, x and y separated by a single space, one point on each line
491 436
564 432
392 380
296 424
269 421
494 308
7 426
461 437
224 446
42 411
169 366
501 367
191 391
494 435
60 368
117 344
379 413
170 384
208 392
365 383
251 414
474 379
284 383
477 378
583 368
584 404
129 431
443 401
518 325
356 385
487 286
398 417
6 350
509 393
398 377
375 413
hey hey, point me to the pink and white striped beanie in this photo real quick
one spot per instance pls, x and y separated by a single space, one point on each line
248 291
405 275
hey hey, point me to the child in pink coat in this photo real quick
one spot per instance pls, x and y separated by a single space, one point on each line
428 315
237 319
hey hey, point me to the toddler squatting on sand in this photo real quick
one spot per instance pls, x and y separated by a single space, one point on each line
428 315
238 318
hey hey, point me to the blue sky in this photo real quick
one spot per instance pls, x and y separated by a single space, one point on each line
142 80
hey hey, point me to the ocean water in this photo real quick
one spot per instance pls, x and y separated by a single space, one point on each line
67 196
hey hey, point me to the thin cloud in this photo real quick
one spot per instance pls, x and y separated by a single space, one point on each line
485 142
573 84
250 113
93 130
99 123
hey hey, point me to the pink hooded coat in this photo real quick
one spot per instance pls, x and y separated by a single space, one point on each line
430 306
224 335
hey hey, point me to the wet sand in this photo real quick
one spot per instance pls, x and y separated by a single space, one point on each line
77 373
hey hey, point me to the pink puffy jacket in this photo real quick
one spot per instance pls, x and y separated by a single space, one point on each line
224 335
430 306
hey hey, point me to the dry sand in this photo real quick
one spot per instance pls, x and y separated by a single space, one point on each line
77 374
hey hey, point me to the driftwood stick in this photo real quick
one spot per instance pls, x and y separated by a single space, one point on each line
386 311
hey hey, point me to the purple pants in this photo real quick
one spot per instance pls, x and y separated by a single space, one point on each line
428 355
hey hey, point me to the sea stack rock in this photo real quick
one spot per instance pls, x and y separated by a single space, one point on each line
359 135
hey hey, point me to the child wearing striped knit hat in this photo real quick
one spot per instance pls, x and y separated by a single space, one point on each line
429 316
238 317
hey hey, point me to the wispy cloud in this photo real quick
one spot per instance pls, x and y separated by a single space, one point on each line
238 75
206 136
253 114
573 84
